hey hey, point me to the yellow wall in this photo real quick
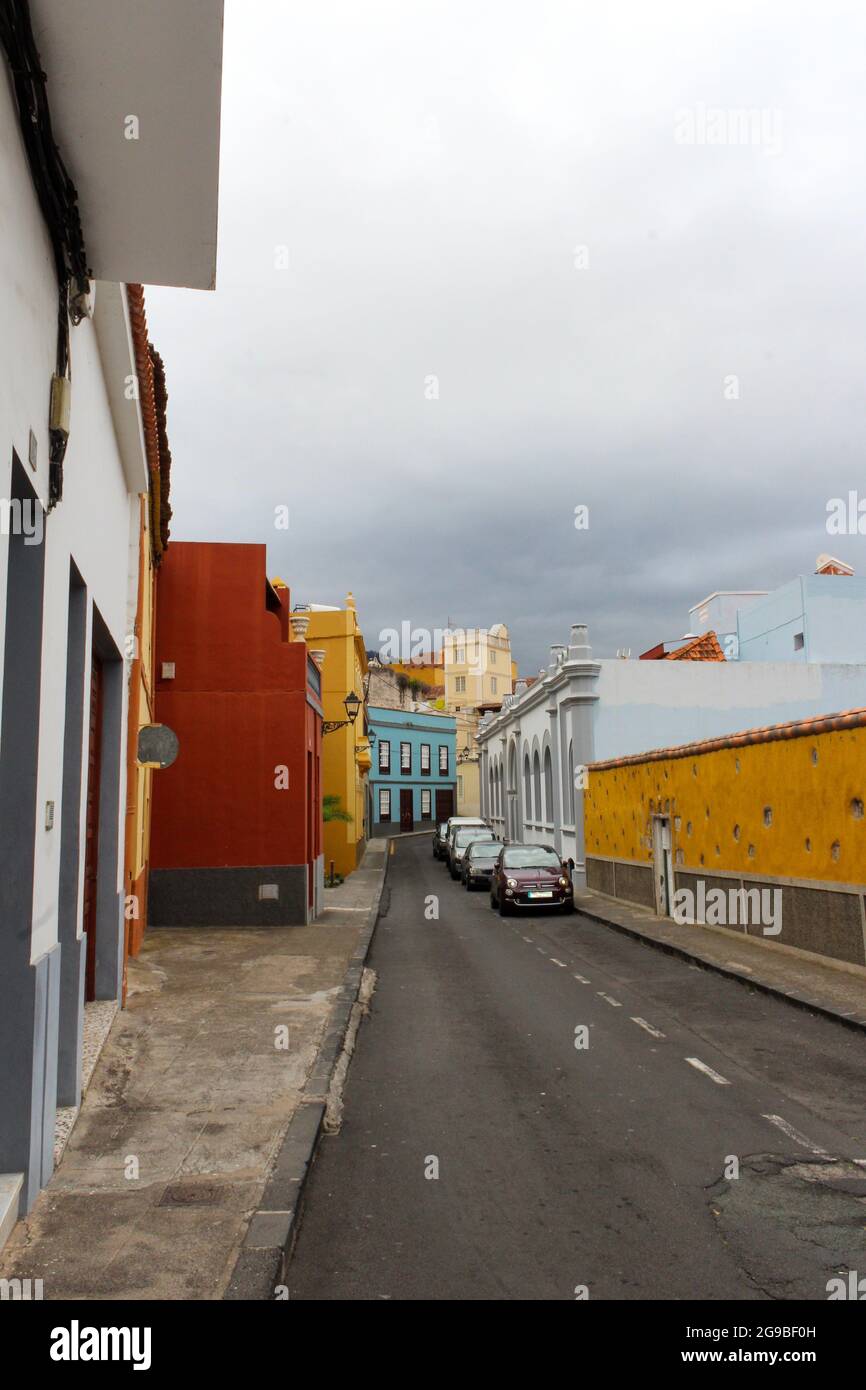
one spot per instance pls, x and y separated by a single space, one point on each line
343 769
427 674
813 786
141 712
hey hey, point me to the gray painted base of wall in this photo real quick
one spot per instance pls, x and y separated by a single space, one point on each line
28 1078
633 883
227 897
827 922
72 963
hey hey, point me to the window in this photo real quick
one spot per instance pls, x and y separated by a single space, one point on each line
548 787
460 684
384 756
443 759
459 788
492 657
461 656
799 641
385 804
426 809
406 759
493 685
425 759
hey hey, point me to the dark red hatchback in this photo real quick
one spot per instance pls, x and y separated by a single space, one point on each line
530 876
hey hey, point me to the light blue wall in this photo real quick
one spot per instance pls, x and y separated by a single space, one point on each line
828 609
403 726
659 704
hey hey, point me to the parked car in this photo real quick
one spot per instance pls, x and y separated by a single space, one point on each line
454 824
478 862
439 835
530 876
460 841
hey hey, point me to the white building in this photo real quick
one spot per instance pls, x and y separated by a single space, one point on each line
581 711
134 97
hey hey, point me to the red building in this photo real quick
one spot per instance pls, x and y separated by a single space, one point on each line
237 819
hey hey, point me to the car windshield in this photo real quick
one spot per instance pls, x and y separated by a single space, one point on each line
443 828
477 825
465 837
531 857
484 849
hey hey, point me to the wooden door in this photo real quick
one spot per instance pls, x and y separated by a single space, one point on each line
91 840
444 804
407 815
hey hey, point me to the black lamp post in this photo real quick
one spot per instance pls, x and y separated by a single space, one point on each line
352 705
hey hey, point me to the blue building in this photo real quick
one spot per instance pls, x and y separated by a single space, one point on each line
816 617
413 779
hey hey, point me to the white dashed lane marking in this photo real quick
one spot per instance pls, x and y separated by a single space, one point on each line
583 979
795 1134
560 963
708 1071
647 1027
613 1002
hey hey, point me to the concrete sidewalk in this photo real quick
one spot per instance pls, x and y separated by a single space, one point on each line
834 989
190 1101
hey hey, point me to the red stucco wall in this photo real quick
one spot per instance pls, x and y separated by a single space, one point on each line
238 704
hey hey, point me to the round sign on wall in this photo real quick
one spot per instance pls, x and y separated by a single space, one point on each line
157 745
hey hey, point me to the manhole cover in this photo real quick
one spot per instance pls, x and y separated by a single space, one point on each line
191 1194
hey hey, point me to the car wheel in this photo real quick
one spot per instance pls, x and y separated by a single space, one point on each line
504 909
492 899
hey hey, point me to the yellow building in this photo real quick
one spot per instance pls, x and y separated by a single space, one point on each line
777 808
479 672
153 525
335 640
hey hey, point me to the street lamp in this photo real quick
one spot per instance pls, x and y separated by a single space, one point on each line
352 705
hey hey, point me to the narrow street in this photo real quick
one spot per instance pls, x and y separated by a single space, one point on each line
560 1168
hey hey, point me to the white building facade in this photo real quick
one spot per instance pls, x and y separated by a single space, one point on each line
536 751
69 564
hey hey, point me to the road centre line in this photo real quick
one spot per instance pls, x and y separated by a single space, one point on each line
797 1137
708 1071
648 1028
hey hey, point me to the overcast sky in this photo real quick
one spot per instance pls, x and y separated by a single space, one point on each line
521 201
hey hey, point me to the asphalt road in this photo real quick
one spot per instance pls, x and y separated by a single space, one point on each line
562 1169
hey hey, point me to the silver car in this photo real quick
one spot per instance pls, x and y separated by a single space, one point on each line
464 836
456 823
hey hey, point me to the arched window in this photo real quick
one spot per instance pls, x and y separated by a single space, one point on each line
548 787
527 786
571 783
536 782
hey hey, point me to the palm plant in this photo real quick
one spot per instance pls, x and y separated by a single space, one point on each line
332 810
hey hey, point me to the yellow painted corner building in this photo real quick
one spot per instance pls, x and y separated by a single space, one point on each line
335 640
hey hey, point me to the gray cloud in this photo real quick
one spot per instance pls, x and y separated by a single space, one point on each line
431 174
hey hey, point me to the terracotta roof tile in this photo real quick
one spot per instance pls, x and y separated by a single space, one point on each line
704 648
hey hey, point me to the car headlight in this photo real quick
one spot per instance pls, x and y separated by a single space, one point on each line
512 882
564 882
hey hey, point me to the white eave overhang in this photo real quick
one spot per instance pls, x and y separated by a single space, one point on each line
148 205
114 336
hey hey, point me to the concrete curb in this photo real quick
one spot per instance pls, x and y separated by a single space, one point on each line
265 1254
802 1001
